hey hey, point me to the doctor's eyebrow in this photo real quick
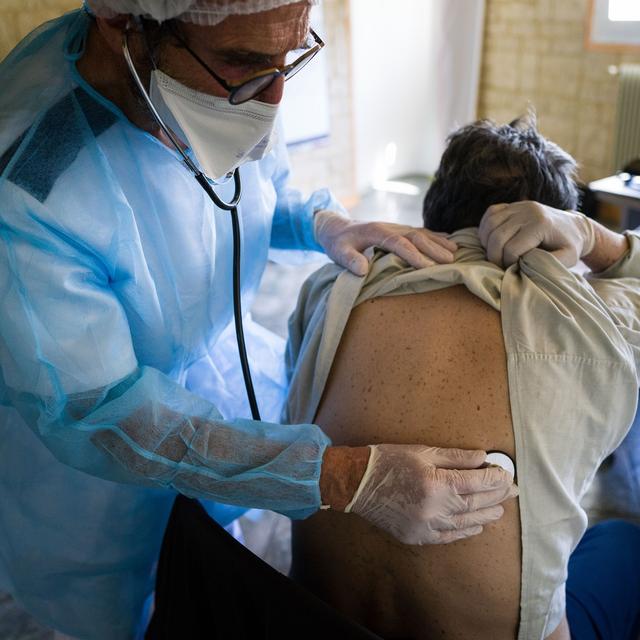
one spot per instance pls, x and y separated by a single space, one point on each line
234 56
257 58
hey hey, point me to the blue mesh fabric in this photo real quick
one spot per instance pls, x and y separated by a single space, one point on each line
115 289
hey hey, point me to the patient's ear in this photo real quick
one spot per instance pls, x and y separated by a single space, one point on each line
528 121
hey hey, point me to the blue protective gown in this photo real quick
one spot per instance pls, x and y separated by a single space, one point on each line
115 347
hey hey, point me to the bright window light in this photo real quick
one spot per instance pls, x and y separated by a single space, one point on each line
624 10
397 186
390 154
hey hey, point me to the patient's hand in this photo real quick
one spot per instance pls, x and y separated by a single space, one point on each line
430 495
508 231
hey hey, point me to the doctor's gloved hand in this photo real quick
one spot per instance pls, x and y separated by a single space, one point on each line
344 240
426 495
508 231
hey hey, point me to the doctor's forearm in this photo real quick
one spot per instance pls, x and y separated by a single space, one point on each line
151 431
341 473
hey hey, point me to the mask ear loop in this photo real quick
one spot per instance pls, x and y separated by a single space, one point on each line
231 207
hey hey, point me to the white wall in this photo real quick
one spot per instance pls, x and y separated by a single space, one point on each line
308 93
415 76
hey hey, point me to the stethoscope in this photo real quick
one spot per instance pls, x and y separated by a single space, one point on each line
231 207
501 459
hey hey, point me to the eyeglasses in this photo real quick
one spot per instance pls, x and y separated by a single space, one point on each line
256 83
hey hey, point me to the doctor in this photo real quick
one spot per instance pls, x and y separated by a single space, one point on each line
115 286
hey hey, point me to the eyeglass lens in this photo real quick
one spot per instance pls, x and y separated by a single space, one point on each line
251 88
255 86
301 64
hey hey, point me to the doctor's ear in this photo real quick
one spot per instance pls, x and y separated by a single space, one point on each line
111 30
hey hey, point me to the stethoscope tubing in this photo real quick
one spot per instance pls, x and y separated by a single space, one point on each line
231 207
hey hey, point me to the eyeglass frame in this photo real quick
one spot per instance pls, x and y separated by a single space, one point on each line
233 89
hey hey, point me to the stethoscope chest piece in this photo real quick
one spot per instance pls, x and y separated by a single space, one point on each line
501 460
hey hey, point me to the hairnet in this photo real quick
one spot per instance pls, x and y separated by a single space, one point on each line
203 12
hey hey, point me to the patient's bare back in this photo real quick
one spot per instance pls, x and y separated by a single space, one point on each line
447 388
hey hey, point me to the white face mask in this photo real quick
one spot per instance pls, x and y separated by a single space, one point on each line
222 135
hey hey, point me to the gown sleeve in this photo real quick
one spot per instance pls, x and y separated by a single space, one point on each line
293 218
68 365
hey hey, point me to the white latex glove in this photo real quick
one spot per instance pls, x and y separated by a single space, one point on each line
429 495
344 241
508 231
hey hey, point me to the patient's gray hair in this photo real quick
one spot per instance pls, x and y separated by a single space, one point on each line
486 163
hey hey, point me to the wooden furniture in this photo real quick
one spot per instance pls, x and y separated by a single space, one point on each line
613 191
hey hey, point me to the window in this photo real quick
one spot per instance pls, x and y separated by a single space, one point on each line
624 11
614 26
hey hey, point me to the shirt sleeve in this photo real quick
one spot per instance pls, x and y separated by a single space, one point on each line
628 266
619 287
293 218
68 366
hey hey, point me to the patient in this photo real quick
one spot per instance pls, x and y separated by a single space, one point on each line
534 361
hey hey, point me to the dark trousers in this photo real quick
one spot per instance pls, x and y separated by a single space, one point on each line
210 586
603 588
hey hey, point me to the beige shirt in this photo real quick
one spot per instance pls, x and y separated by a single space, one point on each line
573 352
